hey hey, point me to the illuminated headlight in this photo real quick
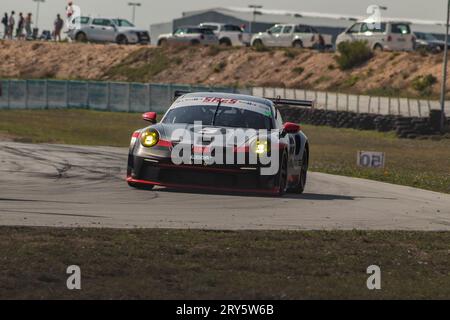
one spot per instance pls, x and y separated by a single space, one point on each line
150 138
262 147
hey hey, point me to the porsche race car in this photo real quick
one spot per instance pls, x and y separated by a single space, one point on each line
221 142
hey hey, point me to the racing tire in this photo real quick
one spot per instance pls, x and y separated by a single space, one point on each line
303 174
141 186
121 39
298 44
225 42
195 42
162 42
81 37
283 176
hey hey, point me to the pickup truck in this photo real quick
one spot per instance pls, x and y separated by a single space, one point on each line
292 35
229 34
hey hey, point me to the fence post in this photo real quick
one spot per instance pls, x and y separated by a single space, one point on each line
399 109
409 106
87 96
357 103
389 105
348 102
326 100
26 94
379 105
46 94
149 96
108 96
67 94
337 101
420 107
370 105
128 97
9 94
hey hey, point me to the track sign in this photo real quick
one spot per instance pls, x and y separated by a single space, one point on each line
369 159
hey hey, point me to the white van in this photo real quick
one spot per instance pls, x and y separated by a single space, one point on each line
389 36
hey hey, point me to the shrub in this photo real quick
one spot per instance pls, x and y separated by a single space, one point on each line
220 67
424 84
298 70
353 54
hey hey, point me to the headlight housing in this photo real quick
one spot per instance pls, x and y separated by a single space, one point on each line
150 138
262 147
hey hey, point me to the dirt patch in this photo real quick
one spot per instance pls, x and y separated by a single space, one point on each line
385 74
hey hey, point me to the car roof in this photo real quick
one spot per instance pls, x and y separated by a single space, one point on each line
387 21
223 95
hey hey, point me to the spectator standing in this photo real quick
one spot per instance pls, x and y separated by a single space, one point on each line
11 24
5 25
28 23
59 24
20 26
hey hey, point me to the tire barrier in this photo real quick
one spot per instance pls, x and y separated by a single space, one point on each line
404 127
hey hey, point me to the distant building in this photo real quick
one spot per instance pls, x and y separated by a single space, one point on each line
326 23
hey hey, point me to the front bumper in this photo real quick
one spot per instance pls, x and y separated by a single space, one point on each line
162 172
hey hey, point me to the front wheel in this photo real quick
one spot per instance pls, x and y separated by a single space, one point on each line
122 39
283 176
298 44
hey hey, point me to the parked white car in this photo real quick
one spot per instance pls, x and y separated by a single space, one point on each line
228 34
389 36
292 35
192 35
120 31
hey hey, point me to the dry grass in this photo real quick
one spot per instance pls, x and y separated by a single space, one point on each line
163 264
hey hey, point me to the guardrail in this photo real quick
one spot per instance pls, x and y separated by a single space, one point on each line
138 97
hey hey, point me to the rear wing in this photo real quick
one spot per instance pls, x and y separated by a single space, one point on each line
277 101
290 102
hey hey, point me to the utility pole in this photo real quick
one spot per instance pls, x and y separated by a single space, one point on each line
254 7
444 71
38 2
134 5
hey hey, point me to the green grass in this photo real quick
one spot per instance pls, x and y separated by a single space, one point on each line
417 163
172 264
79 127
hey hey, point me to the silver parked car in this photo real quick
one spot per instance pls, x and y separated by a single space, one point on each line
292 35
229 34
389 36
120 31
189 35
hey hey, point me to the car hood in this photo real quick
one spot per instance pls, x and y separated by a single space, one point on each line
130 29
165 35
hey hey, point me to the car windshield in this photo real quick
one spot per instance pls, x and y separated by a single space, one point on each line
219 117
123 23
426 36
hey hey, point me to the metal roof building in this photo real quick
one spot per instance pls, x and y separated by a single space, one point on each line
326 23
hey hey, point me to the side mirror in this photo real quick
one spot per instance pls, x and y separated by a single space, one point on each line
150 117
269 32
290 128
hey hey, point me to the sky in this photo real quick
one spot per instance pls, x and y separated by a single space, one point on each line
153 11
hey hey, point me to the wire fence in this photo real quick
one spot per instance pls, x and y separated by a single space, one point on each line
106 96
138 97
358 103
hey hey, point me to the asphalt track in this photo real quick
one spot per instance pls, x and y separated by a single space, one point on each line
71 186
